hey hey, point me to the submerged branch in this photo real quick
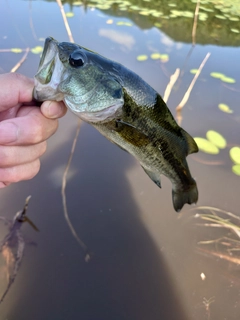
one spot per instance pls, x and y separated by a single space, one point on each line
195 23
59 2
170 85
64 178
14 69
64 198
188 92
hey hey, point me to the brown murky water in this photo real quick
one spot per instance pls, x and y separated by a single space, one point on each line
147 262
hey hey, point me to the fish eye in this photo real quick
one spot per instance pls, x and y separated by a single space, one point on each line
76 59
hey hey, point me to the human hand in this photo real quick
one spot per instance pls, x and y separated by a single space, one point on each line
24 128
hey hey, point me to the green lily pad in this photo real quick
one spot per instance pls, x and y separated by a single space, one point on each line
228 79
16 50
217 75
77 3
217 139
206 146
124 23
235 30
164 57
206 9
134 7
222 77
144 13
194 71
155 56
234 19
225 108
220 17
142 57
235 154
103 6
69 14
236 169
37 50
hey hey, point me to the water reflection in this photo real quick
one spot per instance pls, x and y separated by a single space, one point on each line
146 263
127 278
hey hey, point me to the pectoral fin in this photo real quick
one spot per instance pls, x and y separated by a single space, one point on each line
155 177
131 134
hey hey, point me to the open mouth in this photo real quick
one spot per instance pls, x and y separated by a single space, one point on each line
49 73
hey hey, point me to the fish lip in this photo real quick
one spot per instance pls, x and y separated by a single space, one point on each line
48 90
47 42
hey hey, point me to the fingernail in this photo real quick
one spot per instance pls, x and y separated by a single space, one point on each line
8 132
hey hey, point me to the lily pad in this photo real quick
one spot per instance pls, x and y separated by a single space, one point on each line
235 30
142 57
217 139
155 56
124 23
234 19
69 14
236 169
37 50
220 17
225 108
16 50
164 57
228 79
144 13
206 146
194 71
217 75
77 3
157 14
235 154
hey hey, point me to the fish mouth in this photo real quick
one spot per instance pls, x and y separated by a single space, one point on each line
49 74
49 41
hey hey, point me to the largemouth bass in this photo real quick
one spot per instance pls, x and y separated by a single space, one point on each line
123 107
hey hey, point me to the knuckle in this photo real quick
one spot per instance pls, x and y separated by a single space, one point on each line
4 157
36 130
42 129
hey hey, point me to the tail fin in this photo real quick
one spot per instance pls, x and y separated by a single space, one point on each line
180 197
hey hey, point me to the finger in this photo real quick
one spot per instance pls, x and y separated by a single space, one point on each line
22 172
4 184
53 109
15 89
29 127
11 156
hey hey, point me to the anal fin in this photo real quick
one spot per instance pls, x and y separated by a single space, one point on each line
155 177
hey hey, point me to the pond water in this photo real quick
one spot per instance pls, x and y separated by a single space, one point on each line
147 261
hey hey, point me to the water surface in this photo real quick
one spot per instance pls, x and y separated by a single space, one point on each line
146 262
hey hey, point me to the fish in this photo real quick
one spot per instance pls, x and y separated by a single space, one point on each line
123 108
